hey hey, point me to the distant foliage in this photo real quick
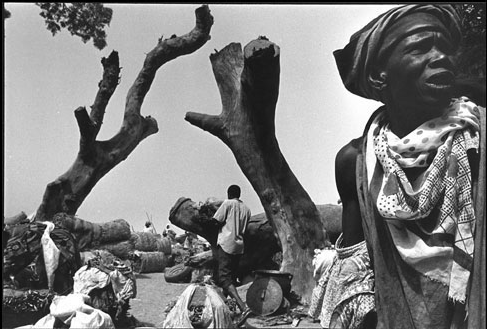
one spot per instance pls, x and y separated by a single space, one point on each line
84 19
471 59
6 14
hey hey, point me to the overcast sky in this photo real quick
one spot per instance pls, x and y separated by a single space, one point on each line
47 78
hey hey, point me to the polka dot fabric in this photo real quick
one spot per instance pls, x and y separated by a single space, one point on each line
415 149
428 146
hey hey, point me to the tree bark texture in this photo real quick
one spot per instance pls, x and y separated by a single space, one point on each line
97 158
249 85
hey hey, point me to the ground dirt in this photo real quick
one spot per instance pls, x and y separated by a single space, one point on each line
154 295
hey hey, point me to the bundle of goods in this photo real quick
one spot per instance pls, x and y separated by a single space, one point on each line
203 265
72 311
200 306
41 255
109 282
22 307
180 254
90 235
120 249
145 241
151 261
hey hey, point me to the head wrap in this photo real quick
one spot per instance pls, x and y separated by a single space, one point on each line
356 59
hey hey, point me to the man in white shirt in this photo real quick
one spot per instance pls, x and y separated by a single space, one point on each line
232 218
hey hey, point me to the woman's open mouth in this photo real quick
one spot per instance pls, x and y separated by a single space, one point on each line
441 80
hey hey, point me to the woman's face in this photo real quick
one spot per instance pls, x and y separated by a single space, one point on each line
420 70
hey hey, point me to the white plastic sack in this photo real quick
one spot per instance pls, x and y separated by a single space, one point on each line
178 317
50 252
92 319
216 312
65 307
220 313
123 286
322 260
86 279
73 311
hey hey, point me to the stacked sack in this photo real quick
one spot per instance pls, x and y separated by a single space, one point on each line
153 251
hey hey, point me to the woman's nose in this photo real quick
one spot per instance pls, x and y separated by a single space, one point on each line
440 59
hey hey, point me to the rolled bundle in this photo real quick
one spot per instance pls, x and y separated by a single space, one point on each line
152 261
115 230
90 234
121 249
164 245
150 242
86 233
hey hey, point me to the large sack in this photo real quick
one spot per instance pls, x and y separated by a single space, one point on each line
86 233
122 249
164 245
152 261
216 313
145 241
73 311
115 230
90 234
25 249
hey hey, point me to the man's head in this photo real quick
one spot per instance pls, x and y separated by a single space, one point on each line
147 224
403 55
233 192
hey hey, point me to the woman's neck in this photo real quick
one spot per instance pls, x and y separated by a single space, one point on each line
405 119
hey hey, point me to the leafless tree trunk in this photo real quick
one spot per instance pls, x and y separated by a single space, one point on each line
97 158
249 84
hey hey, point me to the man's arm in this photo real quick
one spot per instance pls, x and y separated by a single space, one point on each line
345 177
219 217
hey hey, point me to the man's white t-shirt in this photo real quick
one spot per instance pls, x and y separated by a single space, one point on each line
235 214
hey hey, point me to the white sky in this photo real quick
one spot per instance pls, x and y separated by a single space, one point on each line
46 78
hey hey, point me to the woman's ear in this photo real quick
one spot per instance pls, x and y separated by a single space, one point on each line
378 79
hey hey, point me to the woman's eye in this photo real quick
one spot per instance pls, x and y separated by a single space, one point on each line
420 47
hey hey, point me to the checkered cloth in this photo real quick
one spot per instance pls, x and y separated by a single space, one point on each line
440 145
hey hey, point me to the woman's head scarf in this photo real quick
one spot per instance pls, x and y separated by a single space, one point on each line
366 46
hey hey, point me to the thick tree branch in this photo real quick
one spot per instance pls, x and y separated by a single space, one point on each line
166 50
96 158
106 88
87 131
211 123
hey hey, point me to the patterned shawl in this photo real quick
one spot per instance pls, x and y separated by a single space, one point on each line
443 193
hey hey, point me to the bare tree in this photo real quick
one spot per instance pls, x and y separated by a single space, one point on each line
249 85
96 158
